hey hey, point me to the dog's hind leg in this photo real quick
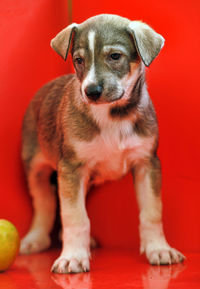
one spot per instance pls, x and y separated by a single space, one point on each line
44 206
38 173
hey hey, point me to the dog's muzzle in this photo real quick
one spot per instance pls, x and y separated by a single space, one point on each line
93 92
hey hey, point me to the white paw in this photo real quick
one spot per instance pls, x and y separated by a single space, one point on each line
72 260
165 256
65 265
34 242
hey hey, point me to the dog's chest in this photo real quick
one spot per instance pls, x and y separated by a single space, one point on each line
112 153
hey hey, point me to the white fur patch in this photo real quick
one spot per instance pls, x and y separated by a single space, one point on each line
91 77
112 153
91 41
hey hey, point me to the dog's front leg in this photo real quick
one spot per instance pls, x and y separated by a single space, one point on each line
75 253
147 177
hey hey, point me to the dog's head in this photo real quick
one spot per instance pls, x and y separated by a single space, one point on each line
108 53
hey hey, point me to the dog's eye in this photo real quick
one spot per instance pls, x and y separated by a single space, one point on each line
79 60
115 56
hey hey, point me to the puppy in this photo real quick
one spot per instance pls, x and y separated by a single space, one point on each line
93 126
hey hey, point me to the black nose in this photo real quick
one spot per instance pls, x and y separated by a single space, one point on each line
93 92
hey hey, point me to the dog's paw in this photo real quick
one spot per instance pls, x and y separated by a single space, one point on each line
165 256
34 242
64 265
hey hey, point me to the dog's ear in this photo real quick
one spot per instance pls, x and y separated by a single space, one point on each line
61 43
148 43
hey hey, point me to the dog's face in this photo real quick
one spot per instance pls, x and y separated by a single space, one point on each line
104 57
107 52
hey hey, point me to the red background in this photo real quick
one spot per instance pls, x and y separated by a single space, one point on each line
27 62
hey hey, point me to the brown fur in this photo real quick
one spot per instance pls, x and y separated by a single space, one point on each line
82 125
49 113
69 179
155 174
146 123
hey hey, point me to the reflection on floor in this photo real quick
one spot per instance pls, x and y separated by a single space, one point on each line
123 269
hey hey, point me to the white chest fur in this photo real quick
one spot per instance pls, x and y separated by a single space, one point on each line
112 153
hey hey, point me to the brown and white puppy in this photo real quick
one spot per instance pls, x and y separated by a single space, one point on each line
93 126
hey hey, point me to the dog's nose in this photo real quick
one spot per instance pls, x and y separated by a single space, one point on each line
94 92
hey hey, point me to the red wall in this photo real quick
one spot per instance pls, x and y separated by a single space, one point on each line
27 62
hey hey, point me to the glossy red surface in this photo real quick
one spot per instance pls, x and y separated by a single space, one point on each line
121 269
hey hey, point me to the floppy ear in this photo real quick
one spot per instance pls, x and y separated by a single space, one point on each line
148 43
61 43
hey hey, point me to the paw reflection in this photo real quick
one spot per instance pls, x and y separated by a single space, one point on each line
159 277
73 281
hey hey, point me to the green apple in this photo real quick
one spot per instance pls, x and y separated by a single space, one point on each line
9 244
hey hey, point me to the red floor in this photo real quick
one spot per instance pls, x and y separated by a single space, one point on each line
109 269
